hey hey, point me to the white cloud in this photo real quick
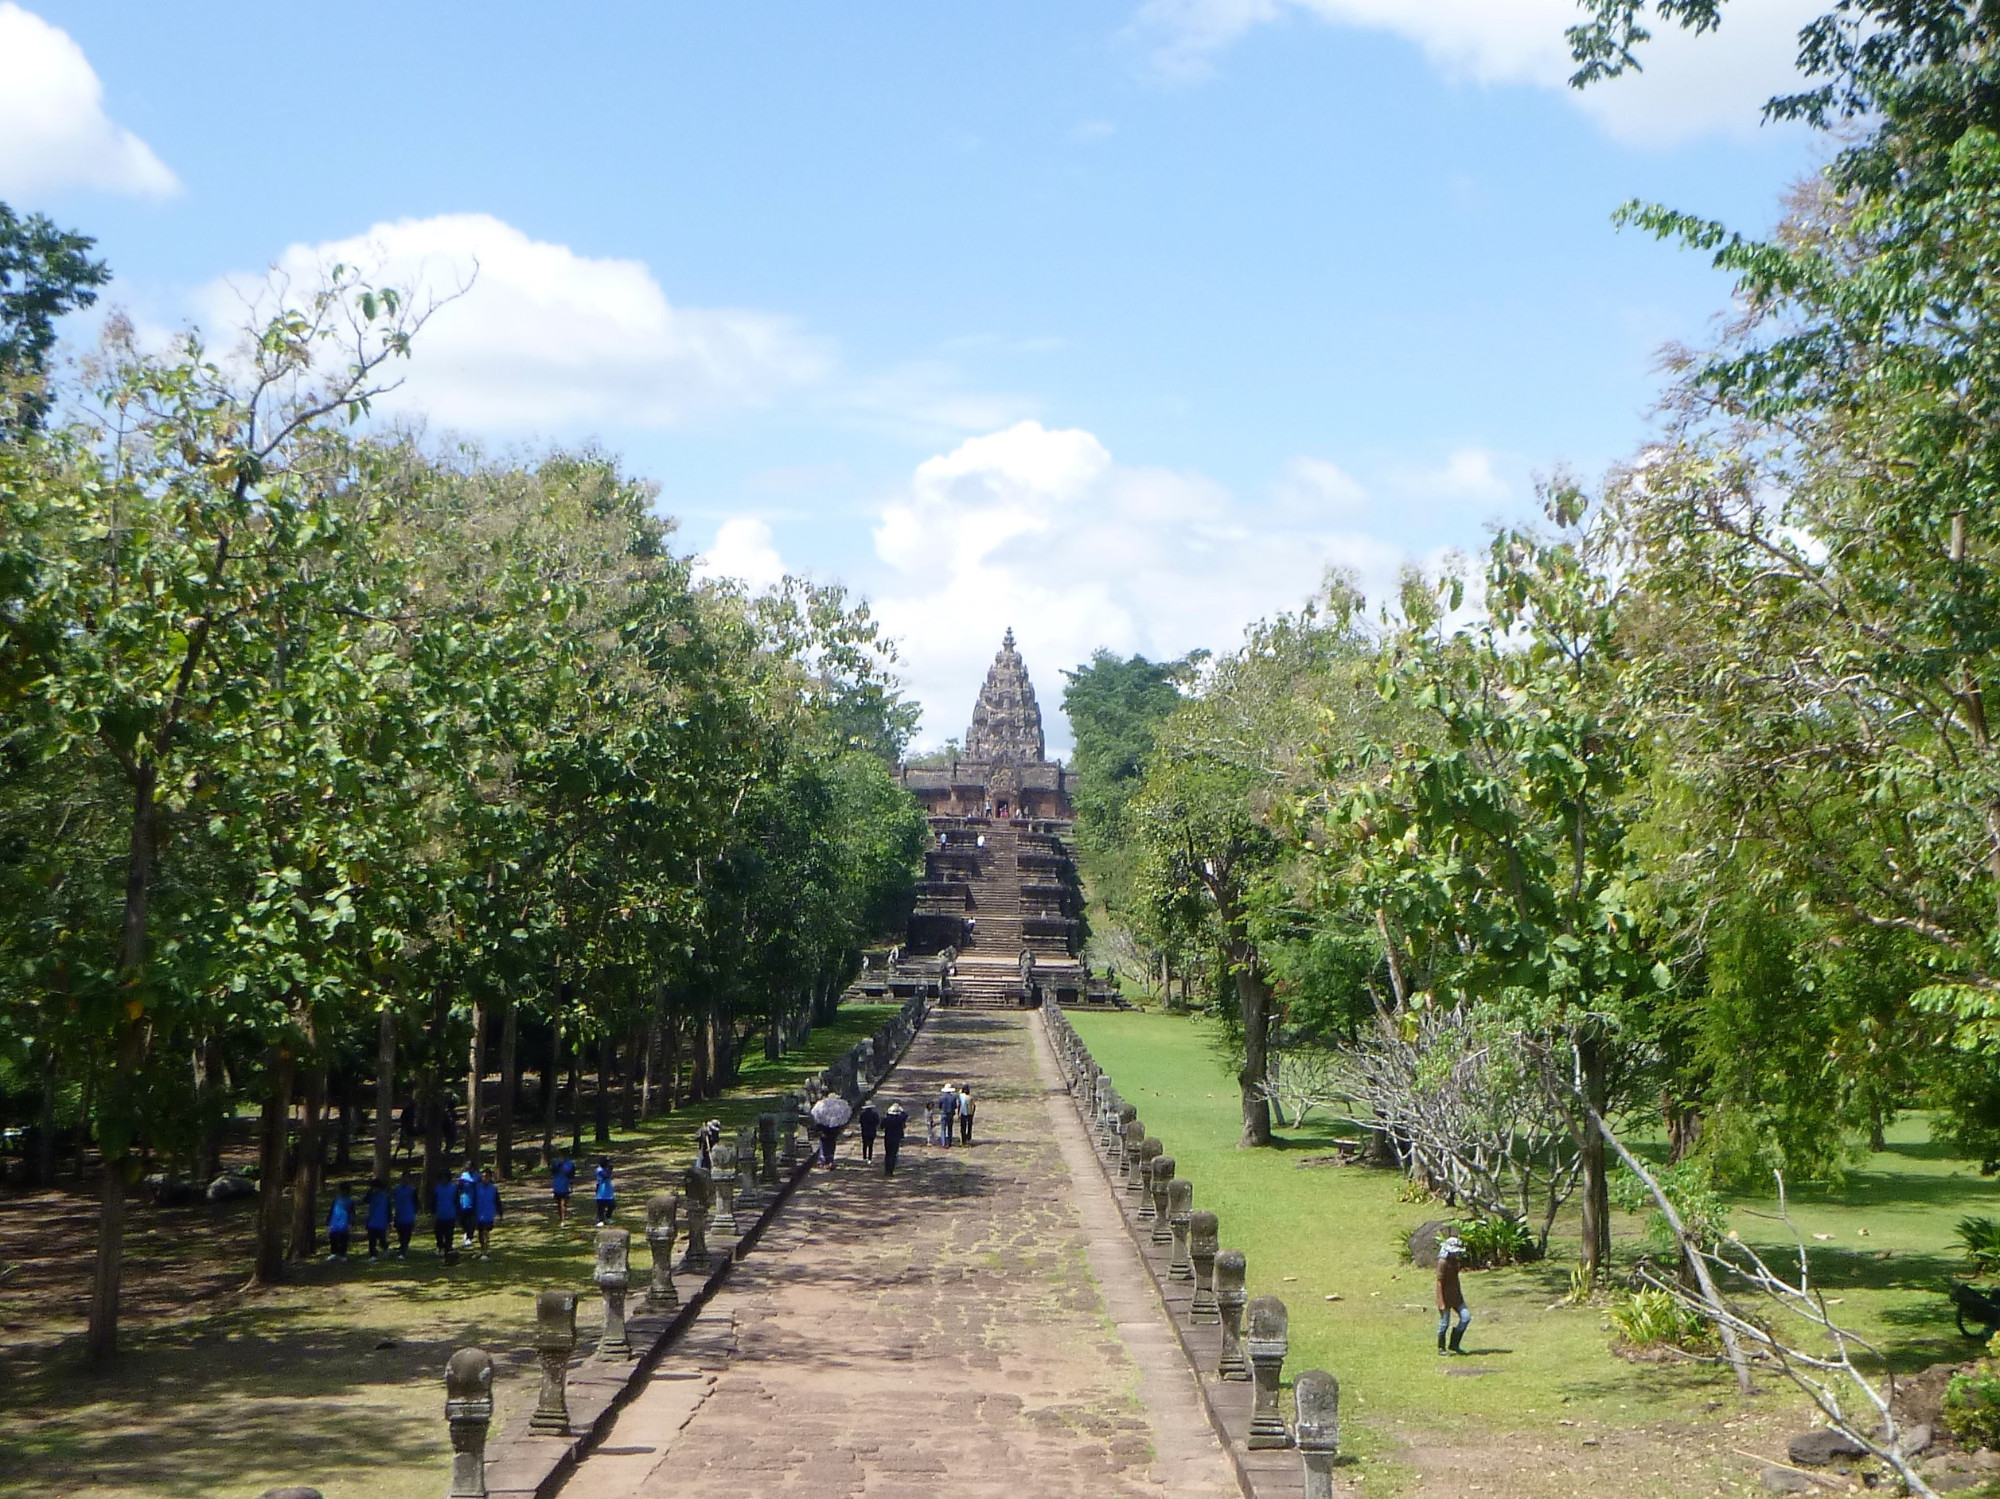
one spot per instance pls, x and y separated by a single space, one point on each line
1312 486
1466 476
54 132
742 551
1044 531
547 340
1690 86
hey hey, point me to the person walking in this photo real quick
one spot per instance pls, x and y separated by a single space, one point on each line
377 1218
964 1114
404 1201
340 1222
930 1123
892 1137
486 1209
607 1192
1451 1296
870 1119
705 1140
947 1114
444 1216
829 1142
468 1192
562 1178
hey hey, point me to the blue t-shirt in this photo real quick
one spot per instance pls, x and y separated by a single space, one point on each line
486 1202
341 1217
605 1191
378 1210
445 1202
562 1176
406 1204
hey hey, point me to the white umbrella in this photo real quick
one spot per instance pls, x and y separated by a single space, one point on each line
832 1111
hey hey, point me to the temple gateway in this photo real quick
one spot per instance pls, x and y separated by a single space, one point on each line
999 912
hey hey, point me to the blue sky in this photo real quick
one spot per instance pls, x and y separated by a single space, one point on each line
1116 322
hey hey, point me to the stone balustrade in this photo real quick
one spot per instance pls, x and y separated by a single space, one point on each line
1239 1366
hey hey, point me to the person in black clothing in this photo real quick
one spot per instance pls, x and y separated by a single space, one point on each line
892 1137
871 1120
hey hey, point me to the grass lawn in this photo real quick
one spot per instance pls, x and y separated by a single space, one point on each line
1543 1380
334 1379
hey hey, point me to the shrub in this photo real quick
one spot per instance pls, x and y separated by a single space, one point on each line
1972 1407
1649 1320
1495 1241
1690 1187
1981 1240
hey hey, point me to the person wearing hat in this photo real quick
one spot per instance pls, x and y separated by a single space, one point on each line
1451 1296
892 1137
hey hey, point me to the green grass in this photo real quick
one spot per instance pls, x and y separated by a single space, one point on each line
1312 1232
230 1391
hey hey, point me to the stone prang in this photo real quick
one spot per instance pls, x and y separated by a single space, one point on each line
1006 721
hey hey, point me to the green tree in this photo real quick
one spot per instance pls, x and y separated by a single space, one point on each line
44 272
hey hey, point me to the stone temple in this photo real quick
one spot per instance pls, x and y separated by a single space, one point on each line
999 912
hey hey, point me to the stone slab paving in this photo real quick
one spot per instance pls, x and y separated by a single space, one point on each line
975 1325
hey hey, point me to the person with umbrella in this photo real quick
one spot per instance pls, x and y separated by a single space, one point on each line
870 1119
892 1137
831 1113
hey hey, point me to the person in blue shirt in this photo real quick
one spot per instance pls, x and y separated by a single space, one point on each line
378 1219
340 1221
607 1194
486 1208
468 1188
562 1176
404 1202
444 1215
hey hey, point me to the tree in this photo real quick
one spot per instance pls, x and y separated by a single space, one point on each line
44 273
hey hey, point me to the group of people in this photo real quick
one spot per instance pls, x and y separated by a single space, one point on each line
468 1204
604 1191
950 1115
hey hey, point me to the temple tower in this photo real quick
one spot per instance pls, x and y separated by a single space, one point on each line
1006 721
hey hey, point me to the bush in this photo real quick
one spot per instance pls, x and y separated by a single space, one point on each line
1981 1240
1690 1187
1651 1320
1495 1241
1972 1407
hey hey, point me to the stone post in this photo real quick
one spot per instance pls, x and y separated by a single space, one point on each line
788 1126
663 1226
697 1194
722 1171
614 1277
1203 1231
468 1410
1230 1268
1126 1114
767 1146
1126 1147
1150 1150
747 1194
1268 1343
1316 1395
1162 1173
1180 1207
555 1341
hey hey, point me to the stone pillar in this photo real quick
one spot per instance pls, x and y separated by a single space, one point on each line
1126 1149
1150 1150
1230 1268
614 1277
788 1128
1160 1175
1268 1343
722 1172
746 1167
468 1410
1203 1231
555 1341
697 1195
663 1226
1316 1394
767 1146
1180 1207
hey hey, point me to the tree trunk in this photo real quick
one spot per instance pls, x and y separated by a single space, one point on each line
343 1140
607 1055
510 1091
306 1171
475 1077
551 1088
628 1079
212 1086
45 1124
1596 1186
1253 998
115 1142
575 1099
276 1125
698 1082
1877 1139
433 1089
385 1093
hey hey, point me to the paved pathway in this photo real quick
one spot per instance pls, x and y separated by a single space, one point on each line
976 1325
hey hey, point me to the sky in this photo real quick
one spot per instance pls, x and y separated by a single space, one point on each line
1119 322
